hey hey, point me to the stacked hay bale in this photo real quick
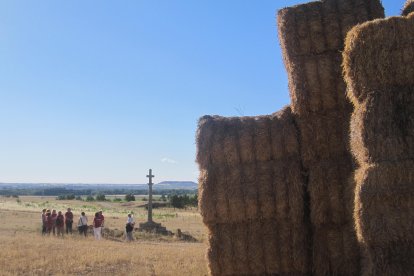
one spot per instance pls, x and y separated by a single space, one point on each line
379 70
408 7
260 175
312 37
252 195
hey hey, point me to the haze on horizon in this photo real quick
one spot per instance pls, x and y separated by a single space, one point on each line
101 91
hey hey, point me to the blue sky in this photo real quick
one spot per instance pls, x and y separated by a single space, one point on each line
101 91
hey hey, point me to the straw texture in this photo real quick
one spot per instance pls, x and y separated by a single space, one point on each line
379 70
312 38
276 192
408 7
252 192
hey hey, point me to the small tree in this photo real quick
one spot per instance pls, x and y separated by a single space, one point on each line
177 201
194 200
90 198
100 197
129 197
163 198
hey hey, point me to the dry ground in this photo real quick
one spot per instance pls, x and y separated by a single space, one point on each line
25 252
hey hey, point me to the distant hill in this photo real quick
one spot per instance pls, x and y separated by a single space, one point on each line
62 188
182 185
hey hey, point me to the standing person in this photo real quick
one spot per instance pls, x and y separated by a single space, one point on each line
103 221
44 221
97 226
49 222
69 221
83 224
60 223
129 227
53 221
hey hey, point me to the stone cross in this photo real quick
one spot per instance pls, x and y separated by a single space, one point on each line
150 176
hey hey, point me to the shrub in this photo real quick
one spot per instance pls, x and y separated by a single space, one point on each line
90 198
100 197
129 197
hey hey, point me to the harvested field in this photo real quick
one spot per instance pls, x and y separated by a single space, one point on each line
26 252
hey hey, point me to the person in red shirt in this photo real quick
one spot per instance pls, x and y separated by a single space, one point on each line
53 221
97 226
49 222
60 223
103 221
69 221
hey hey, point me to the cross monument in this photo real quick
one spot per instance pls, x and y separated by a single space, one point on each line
150 225
150 176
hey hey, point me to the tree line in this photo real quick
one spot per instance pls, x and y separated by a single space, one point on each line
173 200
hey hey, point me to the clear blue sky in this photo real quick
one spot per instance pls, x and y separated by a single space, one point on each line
101 91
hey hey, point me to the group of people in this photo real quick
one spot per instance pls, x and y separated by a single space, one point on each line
55 222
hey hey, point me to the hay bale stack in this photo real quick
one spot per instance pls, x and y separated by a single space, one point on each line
252 194
379 70
312 37
408 7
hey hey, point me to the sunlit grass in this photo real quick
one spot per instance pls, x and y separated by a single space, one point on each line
25 251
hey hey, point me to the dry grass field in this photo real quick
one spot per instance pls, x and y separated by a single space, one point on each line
24 251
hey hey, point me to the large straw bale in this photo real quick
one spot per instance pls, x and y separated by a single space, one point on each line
374 62
383 61
324 137
335 250
379 70
253 203
258 186
279 183
387 191
408 7
311 37
385 218
389 118
329 186
257 247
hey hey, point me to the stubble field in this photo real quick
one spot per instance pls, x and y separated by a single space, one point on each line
24 251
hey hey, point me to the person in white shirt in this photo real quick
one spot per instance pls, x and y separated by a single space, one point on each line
83 224
129 227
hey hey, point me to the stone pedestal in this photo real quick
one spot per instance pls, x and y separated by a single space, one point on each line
153 227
